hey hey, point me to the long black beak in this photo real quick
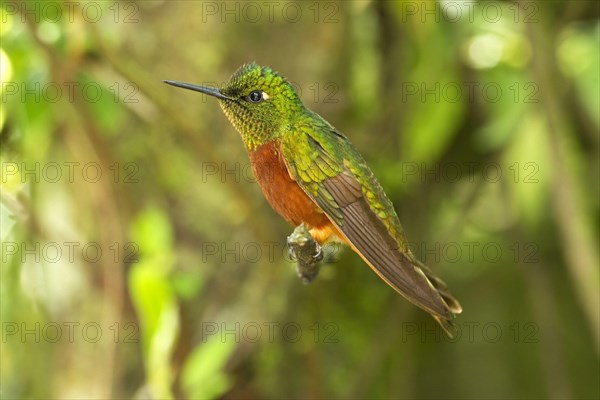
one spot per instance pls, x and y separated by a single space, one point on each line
202 89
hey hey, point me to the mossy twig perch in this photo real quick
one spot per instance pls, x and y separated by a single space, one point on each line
306 252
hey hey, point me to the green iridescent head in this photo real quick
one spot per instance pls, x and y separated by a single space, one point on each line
257 100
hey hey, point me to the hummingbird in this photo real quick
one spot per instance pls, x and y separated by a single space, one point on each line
311 174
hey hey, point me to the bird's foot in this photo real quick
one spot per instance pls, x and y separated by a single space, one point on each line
306 252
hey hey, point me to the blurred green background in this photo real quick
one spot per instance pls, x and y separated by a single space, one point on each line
140 260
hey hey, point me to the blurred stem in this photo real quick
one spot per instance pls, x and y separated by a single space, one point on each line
85 142
552 351
151 86
579 245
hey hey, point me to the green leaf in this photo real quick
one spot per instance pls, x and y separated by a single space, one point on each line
154 299
202 376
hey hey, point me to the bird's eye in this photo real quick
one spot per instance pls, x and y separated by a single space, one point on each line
255 96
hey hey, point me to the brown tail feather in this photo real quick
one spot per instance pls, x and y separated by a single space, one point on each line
451 303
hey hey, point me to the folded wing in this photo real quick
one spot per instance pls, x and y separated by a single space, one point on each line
365 217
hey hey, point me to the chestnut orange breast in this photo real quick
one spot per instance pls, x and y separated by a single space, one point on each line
281 191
